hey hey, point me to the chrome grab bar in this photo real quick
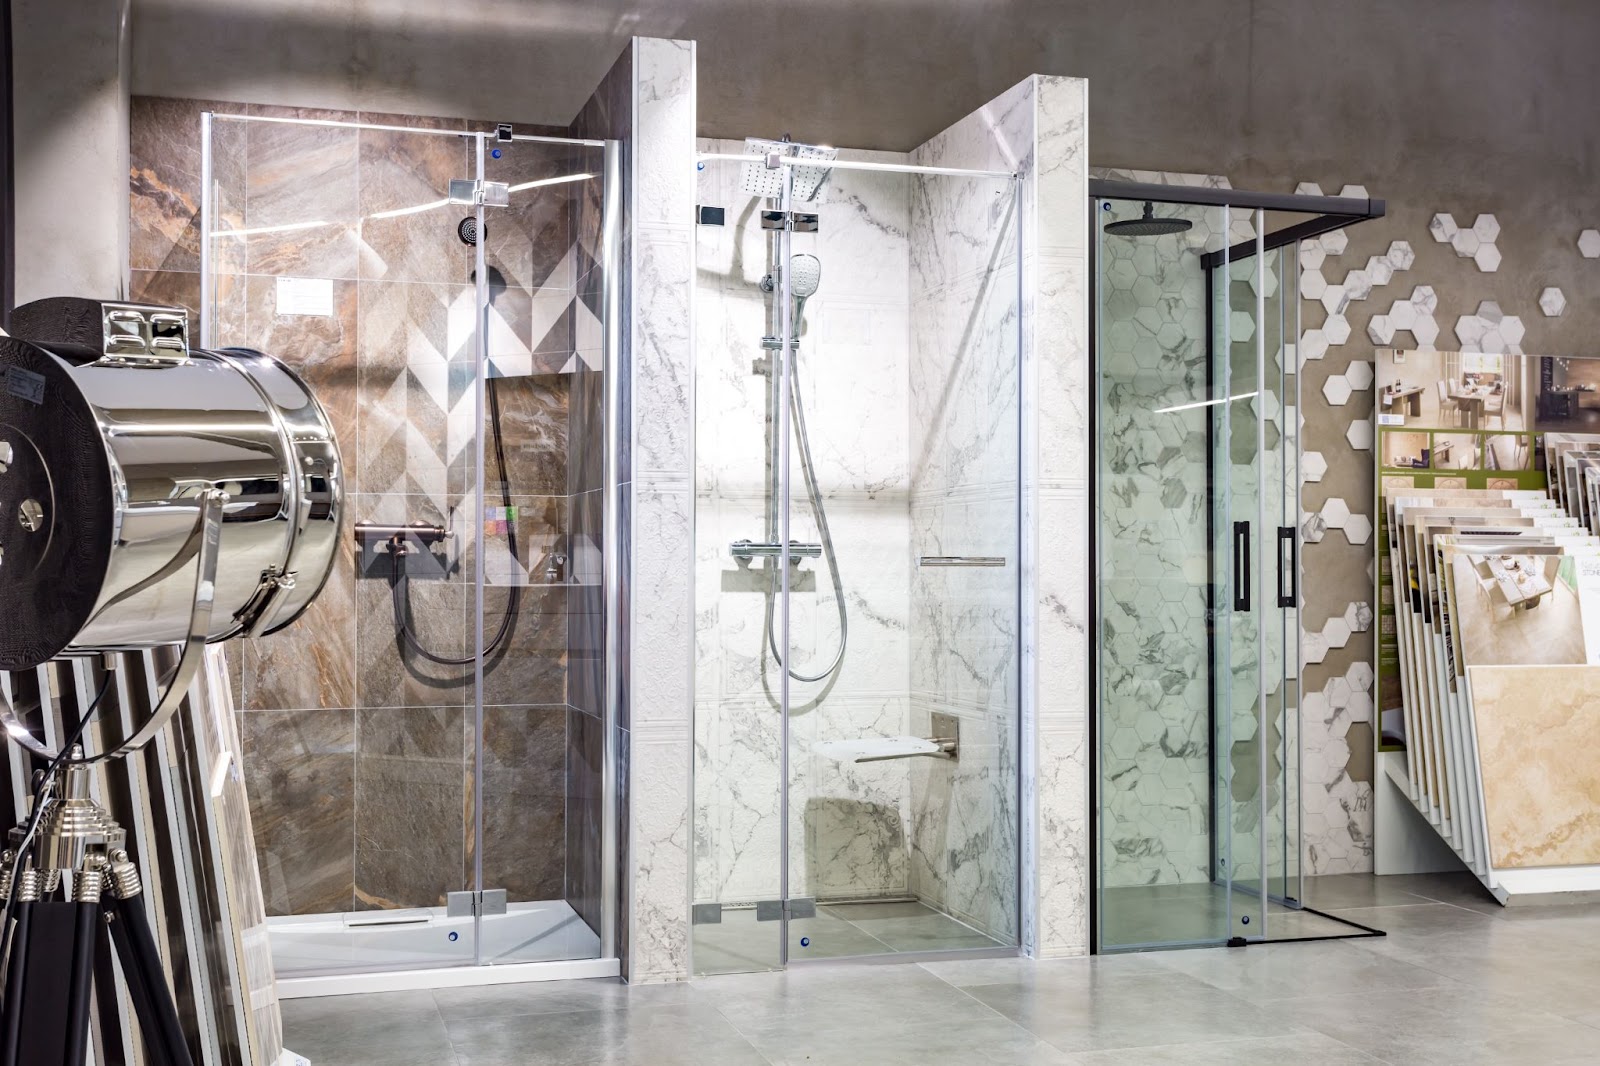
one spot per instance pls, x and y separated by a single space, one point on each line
963 560
746 549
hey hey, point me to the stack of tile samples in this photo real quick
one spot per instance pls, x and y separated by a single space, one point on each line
1496 597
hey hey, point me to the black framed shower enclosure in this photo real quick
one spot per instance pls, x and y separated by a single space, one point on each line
1195 562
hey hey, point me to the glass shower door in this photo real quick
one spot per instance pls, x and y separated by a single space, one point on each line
1180 562
332 246
1242 748
902 467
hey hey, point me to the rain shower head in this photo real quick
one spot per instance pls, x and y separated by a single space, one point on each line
1148 225
805 275
758 179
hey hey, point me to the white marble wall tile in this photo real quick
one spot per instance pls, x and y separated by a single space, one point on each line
663 279
659 854
664 105
1056 524
662 629
1061 113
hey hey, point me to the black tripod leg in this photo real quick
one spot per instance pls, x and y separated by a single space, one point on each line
17 964
79 1002
141 966
138 991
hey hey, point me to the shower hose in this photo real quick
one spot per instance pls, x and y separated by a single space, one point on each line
815 496
400 584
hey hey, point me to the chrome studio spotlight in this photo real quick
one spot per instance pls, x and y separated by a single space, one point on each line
152 495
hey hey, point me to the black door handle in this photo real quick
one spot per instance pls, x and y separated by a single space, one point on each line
1287 598
1241 566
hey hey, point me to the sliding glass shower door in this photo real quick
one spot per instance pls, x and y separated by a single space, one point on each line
1196 569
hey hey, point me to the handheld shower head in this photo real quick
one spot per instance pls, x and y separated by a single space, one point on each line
805 275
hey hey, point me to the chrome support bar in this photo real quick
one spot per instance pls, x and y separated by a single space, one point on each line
962 560
746 549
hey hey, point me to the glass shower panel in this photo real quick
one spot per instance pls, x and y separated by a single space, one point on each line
333 247
1241 749
1282 503
542 620
903 475
738 794
1169 413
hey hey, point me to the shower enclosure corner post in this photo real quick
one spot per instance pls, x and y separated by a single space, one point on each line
1266 602
784 357
207 227
480 455
610 558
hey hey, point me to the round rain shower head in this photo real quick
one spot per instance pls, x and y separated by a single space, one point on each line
805 275
1147 226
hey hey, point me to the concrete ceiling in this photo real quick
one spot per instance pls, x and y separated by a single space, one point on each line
1231 86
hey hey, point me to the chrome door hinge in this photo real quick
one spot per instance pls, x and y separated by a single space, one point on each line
468 904
770 910
474 191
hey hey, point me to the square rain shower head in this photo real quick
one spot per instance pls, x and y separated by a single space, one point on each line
758 179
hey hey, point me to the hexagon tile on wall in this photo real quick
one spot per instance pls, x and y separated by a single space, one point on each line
1589 244
1475 242
1552 301
1336 807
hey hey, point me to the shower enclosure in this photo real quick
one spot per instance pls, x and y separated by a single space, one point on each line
857 475
1196 563
429 756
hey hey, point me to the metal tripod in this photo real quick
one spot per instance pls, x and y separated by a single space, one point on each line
77 850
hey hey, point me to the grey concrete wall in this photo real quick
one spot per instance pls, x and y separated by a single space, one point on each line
71 112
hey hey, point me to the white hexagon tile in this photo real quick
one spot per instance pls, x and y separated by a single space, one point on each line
1312 466
1443 228
1359 434
1589 244
1336 390
1313 344
1400 255
1552 302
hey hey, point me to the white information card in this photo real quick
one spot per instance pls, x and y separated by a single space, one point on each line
305 296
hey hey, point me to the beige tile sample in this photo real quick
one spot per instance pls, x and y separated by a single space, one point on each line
1538 728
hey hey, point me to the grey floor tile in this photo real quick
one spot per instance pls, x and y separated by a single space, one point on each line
644 1036
1130 1013
342 1029
554 997
1335 892
793 1006
888 1042
1430 1021
1301 1049
1067 975
1287 971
